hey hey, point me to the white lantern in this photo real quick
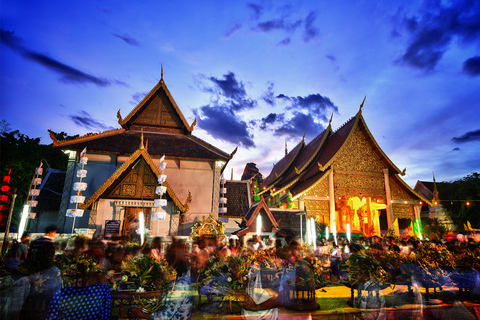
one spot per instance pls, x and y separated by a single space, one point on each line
159 215
223 190
74 213
162 178
222 210
160 202
222 200
32 203
223 181
80 186
39 171
160 190
163 165
37 181
77 199
34 192
83 160
82 173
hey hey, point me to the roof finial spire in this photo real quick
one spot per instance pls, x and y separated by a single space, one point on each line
331 118
286 150
161 72
141 141
361 106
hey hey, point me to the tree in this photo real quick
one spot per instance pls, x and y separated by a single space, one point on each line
23 154
455 195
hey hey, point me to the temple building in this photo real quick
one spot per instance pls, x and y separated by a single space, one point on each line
344 178
123 166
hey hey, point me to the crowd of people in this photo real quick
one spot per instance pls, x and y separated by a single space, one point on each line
184 256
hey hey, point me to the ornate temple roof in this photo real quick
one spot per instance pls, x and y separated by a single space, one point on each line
164 127
124 169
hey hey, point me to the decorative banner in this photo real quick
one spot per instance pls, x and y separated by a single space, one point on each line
81 173
160 202
83 160
160 190
159 215
80 186
34 192
32 203
77 199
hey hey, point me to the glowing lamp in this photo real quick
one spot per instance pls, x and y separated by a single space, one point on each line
259 225
141 227
23 221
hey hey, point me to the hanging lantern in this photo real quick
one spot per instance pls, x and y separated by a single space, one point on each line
34 192
163 165
222 200
39 171
5 188
77 199
223 190
32 203
256 198
74 213
159 215
83 160
162 178
222 210
32 215
223 180
81 173
160 190
37 181
160 202
80 186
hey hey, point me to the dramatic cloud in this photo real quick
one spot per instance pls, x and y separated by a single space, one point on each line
310 31
269 95
256 8
230 92
223 124
129 40
433 29
472 66
318 106
468 137
85 120
299 125
278 24
271 119
68 74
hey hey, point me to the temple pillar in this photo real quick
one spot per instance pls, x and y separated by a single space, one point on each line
331 199
390 220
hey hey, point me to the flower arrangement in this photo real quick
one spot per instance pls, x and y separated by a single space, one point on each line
209 227
316 266
146 272
76 265
362 267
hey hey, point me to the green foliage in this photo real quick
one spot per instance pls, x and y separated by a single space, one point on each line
454 195
432 227
22 154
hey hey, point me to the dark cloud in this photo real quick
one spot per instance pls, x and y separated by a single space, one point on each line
299 125
468 137
67 73
310 31
472 66
223 124
234 29
331 58
285 42
271 119
315 104
269 95
456 149
85 120
278 24
231 91
129 40
256 8
432 30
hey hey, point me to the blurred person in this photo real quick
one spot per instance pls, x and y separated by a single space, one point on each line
18 252
156 248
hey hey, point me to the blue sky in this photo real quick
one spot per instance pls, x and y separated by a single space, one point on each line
255 74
